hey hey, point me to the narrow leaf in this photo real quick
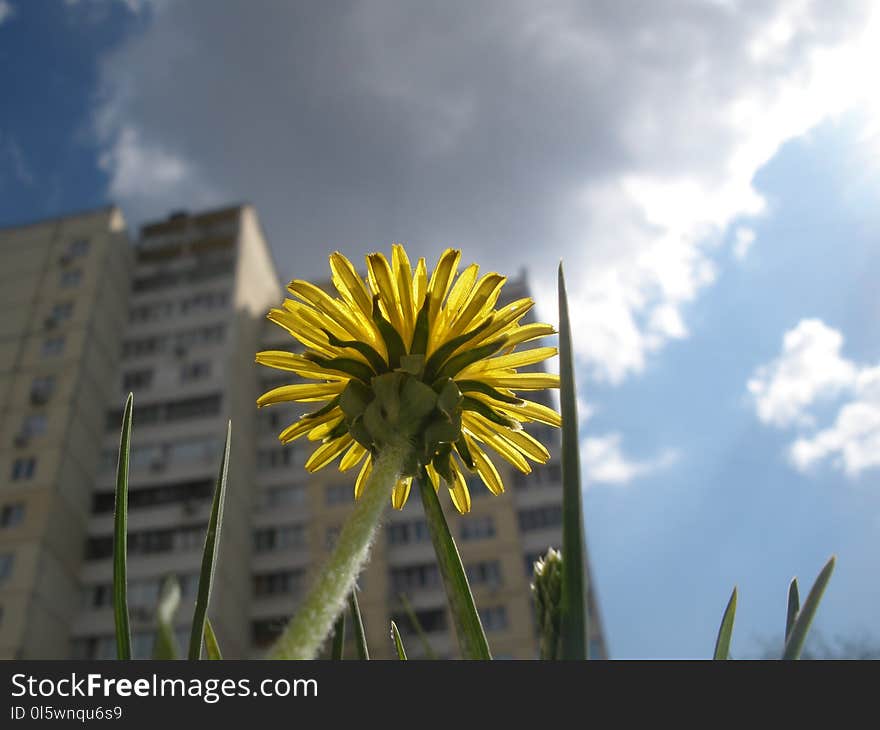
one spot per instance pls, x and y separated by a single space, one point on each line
398 642
360 639
725 631
339 637
120 538
795 643
212 542
212 648
794 605
165 645
468 627
575 627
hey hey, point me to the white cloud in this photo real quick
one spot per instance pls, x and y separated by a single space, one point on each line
810 372
585 411
7 12
745 237
623 143
14 160
810 368
604 462
144 173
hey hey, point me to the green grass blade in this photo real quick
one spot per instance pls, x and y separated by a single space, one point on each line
338 637
398 642
212 542
725 631
794 605
573 610
360 639
417 626
794 645
212 648
468 627
165 645
120 538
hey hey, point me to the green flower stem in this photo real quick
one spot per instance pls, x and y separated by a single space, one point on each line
468 628
306 632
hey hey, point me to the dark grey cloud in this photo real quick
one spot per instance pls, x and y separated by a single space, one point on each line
620 136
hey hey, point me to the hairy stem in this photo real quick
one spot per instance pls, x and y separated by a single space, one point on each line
306 632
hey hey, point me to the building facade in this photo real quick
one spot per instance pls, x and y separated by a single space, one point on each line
176 318
200 286
64 284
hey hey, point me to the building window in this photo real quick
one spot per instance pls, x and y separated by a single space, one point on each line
203 449
189 584
191 495
137 379
150 312
53 346
279 538
6 560
276 458
100 595
204 301
209 335
429 620
485 573
493 618
11 515
34 425
195 370
549 474
79 248
284 496
477 528
23 468
414 577
338 493
61 312
190 538
192 408
42 388
539 518
141 347
476 487
282 582
403 533
70 278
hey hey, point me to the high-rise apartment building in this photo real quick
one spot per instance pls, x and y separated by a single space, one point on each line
64 285
200 287
176 318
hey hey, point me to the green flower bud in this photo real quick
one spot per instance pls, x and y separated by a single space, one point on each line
547 590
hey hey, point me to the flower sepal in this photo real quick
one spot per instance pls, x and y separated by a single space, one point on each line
398 408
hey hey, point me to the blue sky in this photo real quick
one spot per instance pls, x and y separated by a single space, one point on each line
637 154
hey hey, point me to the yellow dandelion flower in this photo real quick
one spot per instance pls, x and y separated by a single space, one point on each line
401 357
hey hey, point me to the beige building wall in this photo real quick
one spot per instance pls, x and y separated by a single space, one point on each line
200 287
63 286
